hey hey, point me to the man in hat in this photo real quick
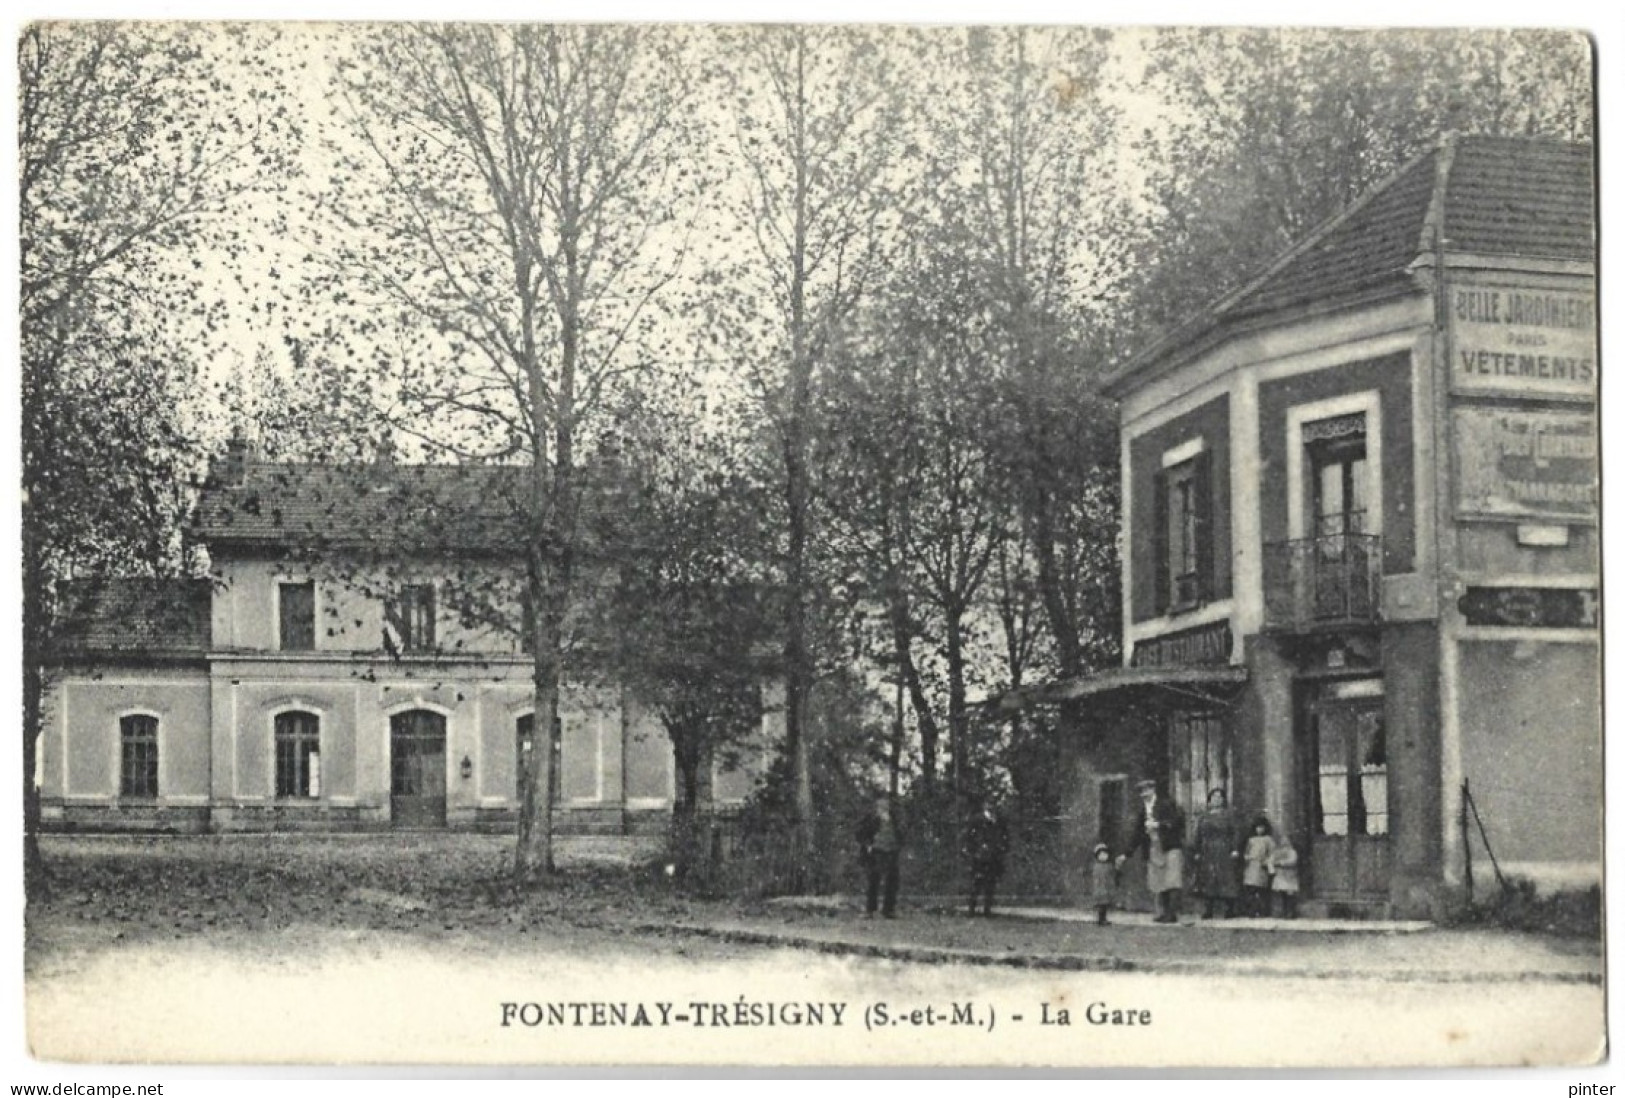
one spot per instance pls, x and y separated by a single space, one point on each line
986 841
1162 837
878 847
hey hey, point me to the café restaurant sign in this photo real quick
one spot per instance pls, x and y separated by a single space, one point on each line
1523 340
1205 644
1526 465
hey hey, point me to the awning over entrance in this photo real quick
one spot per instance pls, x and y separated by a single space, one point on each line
1212 683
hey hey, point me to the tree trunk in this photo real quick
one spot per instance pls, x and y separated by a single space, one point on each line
687 855
798 649
549 591
797 654
909 677
34 882
1051 584
35 611
533 848
896 760
898 530
958 716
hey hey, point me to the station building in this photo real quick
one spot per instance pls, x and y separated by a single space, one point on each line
355 660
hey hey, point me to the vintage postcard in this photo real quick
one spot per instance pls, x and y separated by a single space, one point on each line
804 546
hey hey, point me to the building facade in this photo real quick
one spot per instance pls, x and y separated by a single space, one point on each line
1361 563
357 659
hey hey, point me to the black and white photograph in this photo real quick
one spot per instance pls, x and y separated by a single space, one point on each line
809 545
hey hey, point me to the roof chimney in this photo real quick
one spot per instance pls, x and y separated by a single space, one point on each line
232 470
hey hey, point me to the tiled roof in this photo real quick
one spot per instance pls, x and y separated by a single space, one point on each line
389 506
1521 197
1513 197
145 616
1374 242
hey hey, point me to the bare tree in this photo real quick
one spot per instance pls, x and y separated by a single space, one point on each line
136 142
873 453
816 126
512 202
914 471
693 609
1266 133
1043 215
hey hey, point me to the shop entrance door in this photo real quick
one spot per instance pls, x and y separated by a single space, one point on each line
1348 799
417 769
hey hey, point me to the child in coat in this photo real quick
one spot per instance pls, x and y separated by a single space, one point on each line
1256 869
1103 882
1284 881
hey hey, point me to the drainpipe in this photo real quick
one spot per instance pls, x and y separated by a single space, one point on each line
1453 845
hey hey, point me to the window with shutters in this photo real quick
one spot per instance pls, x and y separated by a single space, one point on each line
411 615
296 616
1184 556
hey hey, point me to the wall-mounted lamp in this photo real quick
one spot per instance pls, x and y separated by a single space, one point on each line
466 768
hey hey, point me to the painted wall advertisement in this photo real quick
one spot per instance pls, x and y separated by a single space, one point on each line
1537 465
1523 341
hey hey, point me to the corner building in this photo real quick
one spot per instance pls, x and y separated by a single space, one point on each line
1360 568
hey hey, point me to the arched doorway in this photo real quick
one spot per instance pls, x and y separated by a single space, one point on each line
417 769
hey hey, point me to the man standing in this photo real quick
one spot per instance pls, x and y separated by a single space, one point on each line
878 845
987 840
1162 836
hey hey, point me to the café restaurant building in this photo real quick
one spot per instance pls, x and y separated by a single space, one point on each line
1360 567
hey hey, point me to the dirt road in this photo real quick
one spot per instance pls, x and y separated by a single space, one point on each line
306 993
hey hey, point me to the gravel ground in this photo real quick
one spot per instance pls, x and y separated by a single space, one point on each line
324 995
1433 954
111 890
406 948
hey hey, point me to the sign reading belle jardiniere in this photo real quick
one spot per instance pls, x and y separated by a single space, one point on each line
1523 340
1526 465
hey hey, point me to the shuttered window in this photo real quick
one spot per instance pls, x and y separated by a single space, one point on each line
1183 506
411 615
296 616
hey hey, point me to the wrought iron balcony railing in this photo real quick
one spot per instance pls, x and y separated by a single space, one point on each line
1335 579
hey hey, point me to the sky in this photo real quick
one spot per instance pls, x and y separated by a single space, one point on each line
254 284
258 329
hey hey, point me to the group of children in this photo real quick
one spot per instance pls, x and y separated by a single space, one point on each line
1269 867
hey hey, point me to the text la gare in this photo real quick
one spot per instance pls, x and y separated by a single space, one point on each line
1096 1014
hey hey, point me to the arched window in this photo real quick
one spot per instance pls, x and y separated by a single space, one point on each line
298 755
138 755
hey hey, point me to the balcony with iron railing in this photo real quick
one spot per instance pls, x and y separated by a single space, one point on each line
1323 582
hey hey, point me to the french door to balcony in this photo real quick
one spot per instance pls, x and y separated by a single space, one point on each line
1342 554
1341 577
